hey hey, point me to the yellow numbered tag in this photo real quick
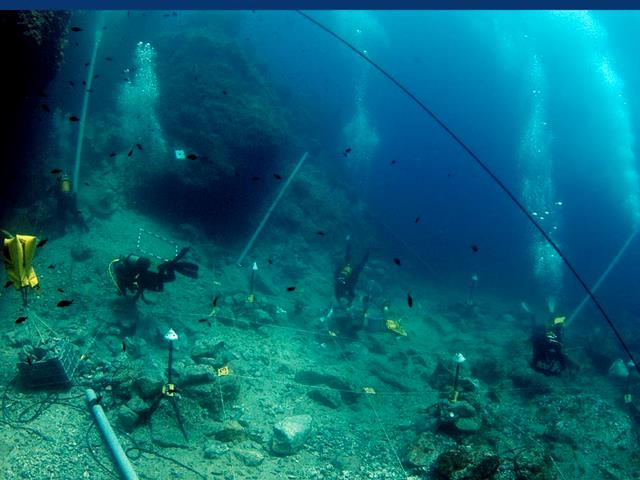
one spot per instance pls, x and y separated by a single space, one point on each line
223 371
369 390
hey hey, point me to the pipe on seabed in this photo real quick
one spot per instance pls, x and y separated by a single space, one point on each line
120 459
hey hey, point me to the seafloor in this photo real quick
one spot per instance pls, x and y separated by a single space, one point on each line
510 422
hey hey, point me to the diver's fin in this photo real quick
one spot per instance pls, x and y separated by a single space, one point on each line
187 269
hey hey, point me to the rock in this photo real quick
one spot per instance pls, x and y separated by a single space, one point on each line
618 369
208 395
191 374
458 417
249 456
215 450
231 431
138 405
148 386
127 418
467 463
424 450
328 398
290 434
165 430
387 375
349 463
347 391
467 425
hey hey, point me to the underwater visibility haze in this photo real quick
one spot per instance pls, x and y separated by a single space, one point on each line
320 245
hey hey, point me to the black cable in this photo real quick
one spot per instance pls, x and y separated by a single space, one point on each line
488 171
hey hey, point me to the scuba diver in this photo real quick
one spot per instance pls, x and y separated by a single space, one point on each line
547 357
67 205
133 273
346 277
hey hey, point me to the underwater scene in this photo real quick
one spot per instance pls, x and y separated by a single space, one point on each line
320 245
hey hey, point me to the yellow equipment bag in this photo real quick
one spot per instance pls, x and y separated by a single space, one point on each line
17 254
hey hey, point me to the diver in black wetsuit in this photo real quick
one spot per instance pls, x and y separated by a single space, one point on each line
132 273
547 357
346 277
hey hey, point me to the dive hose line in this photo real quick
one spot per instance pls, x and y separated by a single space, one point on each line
488 171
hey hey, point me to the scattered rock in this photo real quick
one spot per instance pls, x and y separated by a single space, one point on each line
347 391
127 418
215 450
328 398
467 463
148 386
165 430
424 450
249 456
211 396
230 431
290 434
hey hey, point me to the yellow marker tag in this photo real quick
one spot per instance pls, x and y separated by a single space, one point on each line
369 390
223 371
168 389
332 333
627 398
395 327
559 320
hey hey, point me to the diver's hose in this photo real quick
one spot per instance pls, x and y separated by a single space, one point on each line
488 171
120 459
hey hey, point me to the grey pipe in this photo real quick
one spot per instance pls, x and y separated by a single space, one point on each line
120 459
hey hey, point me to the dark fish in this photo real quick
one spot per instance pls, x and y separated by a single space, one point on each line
224 92
112 154
56 171
86 64
42 243
124 346
474 248
64 303
44 107
139 146
71 83
290 289
417 219
51 266
347 150
202 320
270 262
215 300
174 14
95 76
255 179
20 319
90 90
8 284
126 79
108 59
86 183
76 29
29 360
320 232
192 156
277 176
393 162
60 290
73 118
396 261
409 300
130 153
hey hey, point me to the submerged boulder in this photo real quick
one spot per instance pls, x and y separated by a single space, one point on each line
290 434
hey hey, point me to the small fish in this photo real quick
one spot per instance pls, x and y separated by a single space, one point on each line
474 247
112 154
64 303
44 107
277 176
417 219
72 83
125 79
86 183
215 300
347 150
320 232
20 320
73 118
8 284
290 289
51 266
393 162
76 29
255 179
192 156
139 146
224 92
60 290
29 360
396 261
124 346
269 261
409 300
130 153
202 320
42 243
108 59
90 90
95 76
56 171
